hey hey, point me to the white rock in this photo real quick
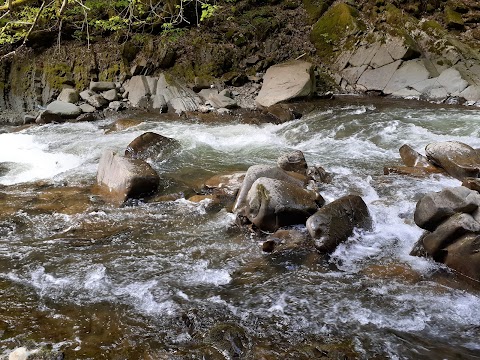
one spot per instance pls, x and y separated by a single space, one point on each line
452 81
286 81
409 73
377 79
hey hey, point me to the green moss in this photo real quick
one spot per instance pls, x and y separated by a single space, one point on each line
111 73
431 27
20 77
316 8
57 75
334 28
453 19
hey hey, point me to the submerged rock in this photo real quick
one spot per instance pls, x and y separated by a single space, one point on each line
334 223
126 178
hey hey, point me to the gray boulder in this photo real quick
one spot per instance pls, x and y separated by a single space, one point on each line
334 223
217 100
257 171
434 208
151 146
64 109
110 95
273 203
87 108
179 98
68 95
286 81
138 90
458 159
116 105
97 101
409 73
377 79
126 178
452 81
294 161
84 95
101 85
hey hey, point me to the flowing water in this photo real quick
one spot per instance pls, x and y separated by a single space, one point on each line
174 280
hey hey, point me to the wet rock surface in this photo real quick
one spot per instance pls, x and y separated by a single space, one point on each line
335 222
126 178
452 220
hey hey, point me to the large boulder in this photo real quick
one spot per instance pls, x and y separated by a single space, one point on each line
273 203
434 208
458 159
286 81
68 95
138 91
257 171
151 146
179 98
447 232
64 109
101 85
126 178
334 223
464 255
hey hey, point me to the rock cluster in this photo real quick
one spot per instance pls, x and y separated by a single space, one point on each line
451 219
457 159
161 94
274 197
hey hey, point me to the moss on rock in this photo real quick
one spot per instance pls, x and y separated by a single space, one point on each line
316 8
453 19
339 22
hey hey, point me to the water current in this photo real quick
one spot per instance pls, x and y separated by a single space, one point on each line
174 280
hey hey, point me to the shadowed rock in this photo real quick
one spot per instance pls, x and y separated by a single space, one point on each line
334 223
151 146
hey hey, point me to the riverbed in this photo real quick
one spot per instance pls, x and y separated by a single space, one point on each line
173 279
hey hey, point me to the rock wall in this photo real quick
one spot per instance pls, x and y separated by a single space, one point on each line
397 54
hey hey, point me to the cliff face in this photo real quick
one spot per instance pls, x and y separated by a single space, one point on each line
426 50
401 48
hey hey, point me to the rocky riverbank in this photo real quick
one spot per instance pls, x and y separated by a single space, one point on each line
399 49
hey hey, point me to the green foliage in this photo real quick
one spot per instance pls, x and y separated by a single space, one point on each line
208 10
104 16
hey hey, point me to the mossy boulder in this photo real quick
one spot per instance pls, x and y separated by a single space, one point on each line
316 8
453 19
339 22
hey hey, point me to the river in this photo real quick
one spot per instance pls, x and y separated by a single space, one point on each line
173 280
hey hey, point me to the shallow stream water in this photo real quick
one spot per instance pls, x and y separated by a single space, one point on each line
174 280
